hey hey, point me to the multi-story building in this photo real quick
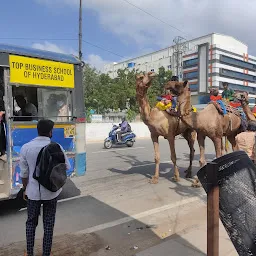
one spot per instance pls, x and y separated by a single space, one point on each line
206 61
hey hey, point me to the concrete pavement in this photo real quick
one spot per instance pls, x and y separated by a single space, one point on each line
114 205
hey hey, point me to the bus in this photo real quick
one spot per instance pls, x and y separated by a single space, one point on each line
34 85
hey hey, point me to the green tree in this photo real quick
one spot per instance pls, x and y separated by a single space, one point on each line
103 93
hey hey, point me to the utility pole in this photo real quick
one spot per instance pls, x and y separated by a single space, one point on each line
80 30
179 48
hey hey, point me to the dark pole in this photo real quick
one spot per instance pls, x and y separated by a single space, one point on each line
212 210
80 30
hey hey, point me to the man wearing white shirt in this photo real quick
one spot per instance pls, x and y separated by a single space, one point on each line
36 196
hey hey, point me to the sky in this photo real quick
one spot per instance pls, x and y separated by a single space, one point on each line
120 28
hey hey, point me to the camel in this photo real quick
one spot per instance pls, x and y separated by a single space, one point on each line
208 122
242 97
160 123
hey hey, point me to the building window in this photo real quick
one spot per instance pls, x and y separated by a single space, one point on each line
193 87
131 65
237 75
252 100
190 63
237 63
152 70
169 67
190 75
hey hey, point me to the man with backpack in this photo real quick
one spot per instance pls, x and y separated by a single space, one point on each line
43 166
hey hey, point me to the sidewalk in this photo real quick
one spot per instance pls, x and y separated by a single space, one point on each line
69 244
189 240
191 243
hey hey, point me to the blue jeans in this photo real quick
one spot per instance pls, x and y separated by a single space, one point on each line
222 106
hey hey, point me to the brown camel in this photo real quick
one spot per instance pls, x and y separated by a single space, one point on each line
208 122
160 123
242 97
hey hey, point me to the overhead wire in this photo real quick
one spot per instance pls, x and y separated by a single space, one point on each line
155 17
61 39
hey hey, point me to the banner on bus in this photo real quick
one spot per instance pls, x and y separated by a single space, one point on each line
32 71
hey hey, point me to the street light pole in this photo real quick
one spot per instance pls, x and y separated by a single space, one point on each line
80 30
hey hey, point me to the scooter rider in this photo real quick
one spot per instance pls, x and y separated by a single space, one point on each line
124 128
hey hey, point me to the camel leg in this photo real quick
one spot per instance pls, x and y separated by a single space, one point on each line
155 140
190 137
171 140
201 142
217 144
232 141
222 147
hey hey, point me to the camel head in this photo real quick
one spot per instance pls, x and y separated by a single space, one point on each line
177 88
242 97
143 81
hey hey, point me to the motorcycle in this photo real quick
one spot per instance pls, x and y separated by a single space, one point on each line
127 138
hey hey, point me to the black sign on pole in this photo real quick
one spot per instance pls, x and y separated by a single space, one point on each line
212 209
237 200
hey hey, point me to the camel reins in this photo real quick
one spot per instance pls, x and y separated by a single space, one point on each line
180 116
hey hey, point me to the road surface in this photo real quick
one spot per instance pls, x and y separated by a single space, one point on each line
115 204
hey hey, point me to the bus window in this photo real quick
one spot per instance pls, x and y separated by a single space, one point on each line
56 105
25 104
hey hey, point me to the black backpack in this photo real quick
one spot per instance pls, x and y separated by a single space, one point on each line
50 170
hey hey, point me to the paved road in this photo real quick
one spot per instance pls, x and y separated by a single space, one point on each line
115 202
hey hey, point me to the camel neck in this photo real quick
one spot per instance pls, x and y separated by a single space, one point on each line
185 107
144 105
250 116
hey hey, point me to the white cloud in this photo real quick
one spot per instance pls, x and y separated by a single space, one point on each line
194 17
47 46
93 59
96 61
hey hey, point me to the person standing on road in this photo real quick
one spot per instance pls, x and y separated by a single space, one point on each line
36 194
246 140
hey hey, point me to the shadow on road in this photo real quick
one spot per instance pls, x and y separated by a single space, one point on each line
187 191
100 226
208 157
69 190
11 206
147 168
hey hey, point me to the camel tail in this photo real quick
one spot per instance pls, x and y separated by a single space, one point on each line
226 144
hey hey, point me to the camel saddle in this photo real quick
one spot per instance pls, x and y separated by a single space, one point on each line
231 108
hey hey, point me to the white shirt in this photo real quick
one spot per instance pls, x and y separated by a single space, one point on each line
28 157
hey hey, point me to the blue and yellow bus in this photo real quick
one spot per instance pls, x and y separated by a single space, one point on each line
51 85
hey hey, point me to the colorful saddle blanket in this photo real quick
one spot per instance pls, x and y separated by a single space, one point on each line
233 107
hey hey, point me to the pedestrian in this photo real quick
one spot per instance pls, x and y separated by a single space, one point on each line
246 140
38 195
